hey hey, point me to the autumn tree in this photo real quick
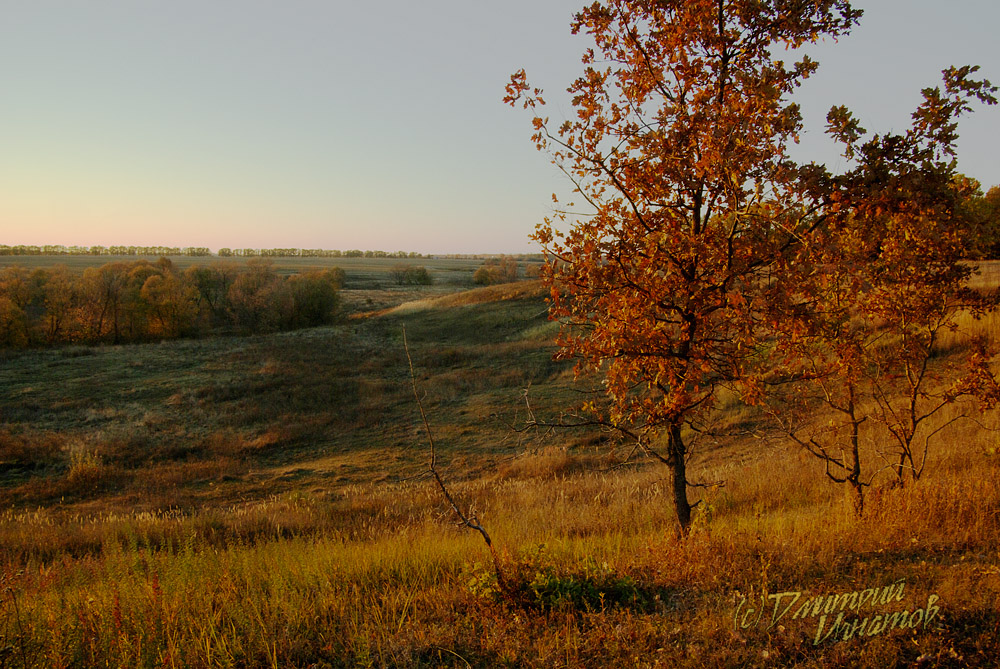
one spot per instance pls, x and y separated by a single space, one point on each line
172 304
58 291
15 298
136 311
16 285
314 298
137 301
259 300
496 270
875 295
13 324
678 148
101 293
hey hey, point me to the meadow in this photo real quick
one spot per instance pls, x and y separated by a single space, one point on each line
264 501
361 272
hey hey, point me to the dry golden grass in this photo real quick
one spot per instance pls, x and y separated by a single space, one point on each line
263 502
378 574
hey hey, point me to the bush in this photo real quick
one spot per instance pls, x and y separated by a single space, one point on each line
314 298
534 581
502 270
411 275
259 299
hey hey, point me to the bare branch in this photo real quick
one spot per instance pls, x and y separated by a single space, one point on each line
470 522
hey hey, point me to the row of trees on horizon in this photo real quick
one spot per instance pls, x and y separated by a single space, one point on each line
196 252
226 252
123 302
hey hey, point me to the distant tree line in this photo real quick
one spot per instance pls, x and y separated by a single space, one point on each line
313 253
227 252
195 251
520 257
60 250
140 301
496 270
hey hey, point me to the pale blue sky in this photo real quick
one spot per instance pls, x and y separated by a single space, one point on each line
309 123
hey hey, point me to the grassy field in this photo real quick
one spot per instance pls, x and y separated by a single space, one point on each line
264 501
361 272
369 285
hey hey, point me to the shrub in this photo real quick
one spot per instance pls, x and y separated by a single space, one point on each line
259 299
502 270
411 275
314 298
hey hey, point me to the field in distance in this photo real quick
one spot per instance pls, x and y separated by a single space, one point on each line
361 272
264 501
369 284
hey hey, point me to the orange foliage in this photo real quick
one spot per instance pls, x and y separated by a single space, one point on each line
142 301
870 295
679 148
711 260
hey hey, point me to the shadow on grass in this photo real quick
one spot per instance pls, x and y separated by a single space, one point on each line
439 656
535 586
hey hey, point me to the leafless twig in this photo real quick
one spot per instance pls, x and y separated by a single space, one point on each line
471 522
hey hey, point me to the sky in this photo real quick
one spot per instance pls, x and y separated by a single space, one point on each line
369 125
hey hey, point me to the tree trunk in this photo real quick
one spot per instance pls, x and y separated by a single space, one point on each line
858 498
854 477
679 467
900 469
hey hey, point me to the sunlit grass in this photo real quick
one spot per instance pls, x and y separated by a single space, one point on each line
263 502
383 588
